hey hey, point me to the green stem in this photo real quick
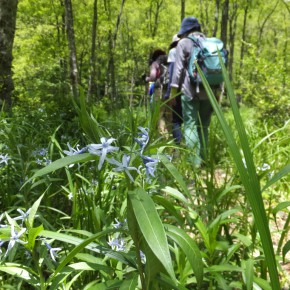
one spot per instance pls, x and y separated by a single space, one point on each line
39 270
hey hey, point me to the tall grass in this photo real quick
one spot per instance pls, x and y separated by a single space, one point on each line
141 220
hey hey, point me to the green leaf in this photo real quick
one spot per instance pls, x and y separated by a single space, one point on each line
190 249
223 268
21 272
280 206
151 227
223 284
247 172
176 194
61 163
262 283
33 211
167 205
285 250
32 235
249 273
284 171
176 175
130 284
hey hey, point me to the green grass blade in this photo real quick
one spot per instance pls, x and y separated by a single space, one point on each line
247 172
283 172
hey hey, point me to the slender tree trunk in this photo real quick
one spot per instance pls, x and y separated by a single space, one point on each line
112 46
261 30
8 11
244 35
182 12
154 13
72 48
286 62
232 33
216 18
224 22
92 76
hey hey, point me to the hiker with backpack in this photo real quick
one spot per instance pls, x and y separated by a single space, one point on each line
158 82
196 106
176 107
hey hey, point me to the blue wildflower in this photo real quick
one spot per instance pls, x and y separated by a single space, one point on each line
15 239
151 165
124 166
102 149
4 158
118 245
143 138
52 251
72 151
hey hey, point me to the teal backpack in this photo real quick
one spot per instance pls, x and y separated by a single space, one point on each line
205 54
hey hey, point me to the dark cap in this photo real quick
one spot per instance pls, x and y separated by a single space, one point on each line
188 24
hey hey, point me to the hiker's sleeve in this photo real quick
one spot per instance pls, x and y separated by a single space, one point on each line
170 67
153 72
179 65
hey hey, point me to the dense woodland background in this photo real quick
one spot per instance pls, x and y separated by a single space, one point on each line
104 47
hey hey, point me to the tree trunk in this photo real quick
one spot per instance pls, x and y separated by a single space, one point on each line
244 34
232 33
216 18
154 16
224 22
112 46
182 12
92 76
8 11
261 30
72 48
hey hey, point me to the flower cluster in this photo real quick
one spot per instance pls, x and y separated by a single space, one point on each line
19 234
106 148
16 232
41 156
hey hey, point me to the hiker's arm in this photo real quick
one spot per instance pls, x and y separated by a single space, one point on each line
179 66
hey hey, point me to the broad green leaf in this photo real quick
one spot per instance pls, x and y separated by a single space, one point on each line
20 271
151 227
153 265
248 273
176 194
262 284
32 235
33 211
191 250
61 163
